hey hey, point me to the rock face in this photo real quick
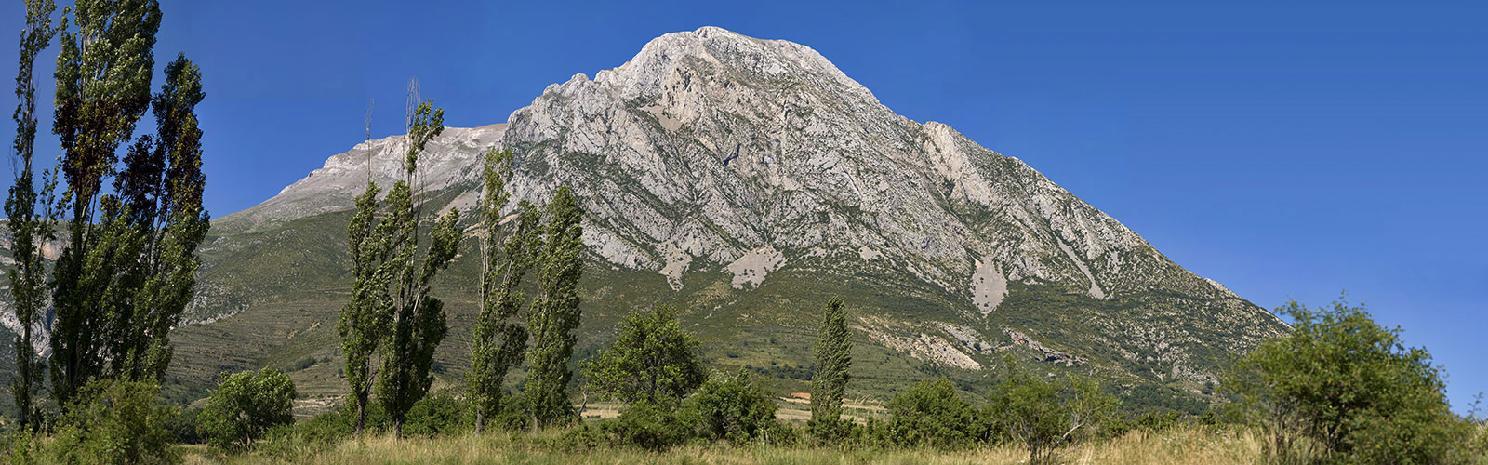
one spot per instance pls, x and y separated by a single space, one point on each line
749 177
710 147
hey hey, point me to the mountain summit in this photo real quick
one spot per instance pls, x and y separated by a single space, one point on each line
746 180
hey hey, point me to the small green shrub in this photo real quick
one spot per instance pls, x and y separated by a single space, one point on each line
731 407
649 426
245 406
115 422
438 413
1044 414
933 414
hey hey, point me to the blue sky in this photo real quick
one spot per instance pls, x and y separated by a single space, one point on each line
1287 150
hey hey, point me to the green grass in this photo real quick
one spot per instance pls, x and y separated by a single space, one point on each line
1194 446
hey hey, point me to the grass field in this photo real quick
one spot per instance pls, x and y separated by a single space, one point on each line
1178 447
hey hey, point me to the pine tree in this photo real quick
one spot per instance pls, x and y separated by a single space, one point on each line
103 78
28 231
555 313
829 384
499 337
418 322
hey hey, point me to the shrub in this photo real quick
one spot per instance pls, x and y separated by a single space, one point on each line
731 407
439 413
1044 413
648 425
931 413
115 422
652 360
245 406
1340 388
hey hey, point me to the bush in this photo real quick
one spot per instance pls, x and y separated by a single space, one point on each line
1339 388
245 406
931 413
648 425
731 407
116 422
436 414
1044 414
652 360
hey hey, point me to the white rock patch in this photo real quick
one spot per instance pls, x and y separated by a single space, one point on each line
868 253
750 269
677 261
988 287
1095 289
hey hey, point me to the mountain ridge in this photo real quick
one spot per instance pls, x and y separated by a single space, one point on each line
745 179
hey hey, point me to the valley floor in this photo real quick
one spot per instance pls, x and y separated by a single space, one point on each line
1196 446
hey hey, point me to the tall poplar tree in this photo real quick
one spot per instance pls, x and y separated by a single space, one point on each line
418 322
829 383
365 318
28 230
555 313
103 78
499 337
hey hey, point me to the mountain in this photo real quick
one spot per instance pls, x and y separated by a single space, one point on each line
745 181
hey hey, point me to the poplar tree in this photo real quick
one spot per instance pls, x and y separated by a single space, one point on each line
103 75
499 337
418 321
555 313
28 230
829 383
364 319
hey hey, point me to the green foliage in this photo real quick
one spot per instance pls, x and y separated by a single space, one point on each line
1339 388
28 230
652 360
364 320
829 384
933 414
555 313
649 425
499 338
245 406
437 414
115 422
731 407
392 322
1045 413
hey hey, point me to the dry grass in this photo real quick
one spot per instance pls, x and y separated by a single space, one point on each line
1197 446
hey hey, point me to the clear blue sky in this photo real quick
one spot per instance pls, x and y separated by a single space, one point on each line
1286 151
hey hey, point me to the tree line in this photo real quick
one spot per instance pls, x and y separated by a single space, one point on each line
127 229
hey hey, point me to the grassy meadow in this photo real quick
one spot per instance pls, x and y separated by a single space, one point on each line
1201 445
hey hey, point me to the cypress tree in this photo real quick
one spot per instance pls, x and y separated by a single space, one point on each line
28 231
103 78
555 313
499 337
829 384
418 321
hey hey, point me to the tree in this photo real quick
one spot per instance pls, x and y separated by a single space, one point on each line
28 230
931 413
731 407
499 337
418 322
1339 388
245 406
116 422
103 88
652 360
1045 414
555 313
829 383
365 319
